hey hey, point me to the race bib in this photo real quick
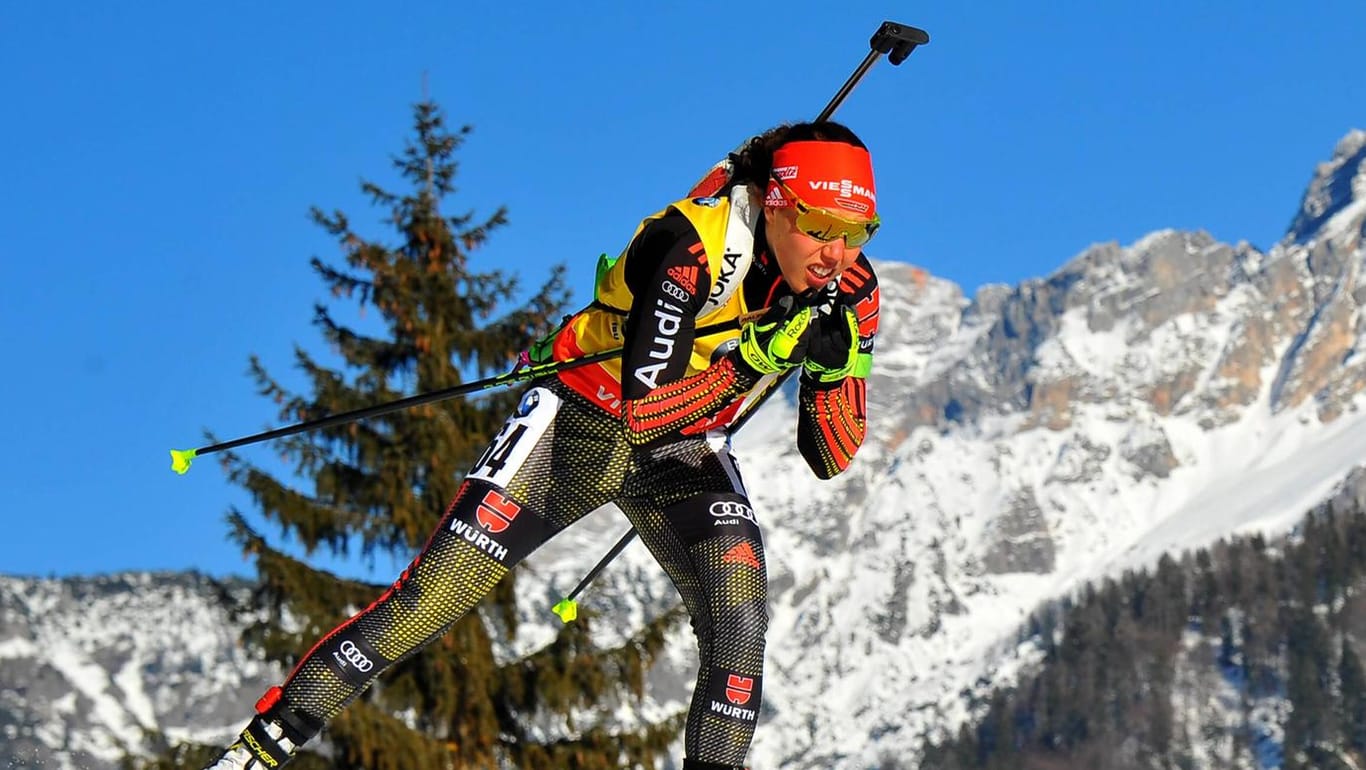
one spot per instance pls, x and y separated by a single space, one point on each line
513 444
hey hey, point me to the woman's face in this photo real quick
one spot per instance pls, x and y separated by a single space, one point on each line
806 263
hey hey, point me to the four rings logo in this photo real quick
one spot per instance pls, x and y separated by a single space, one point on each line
350 653
732 509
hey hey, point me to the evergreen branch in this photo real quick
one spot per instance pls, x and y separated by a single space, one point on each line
572 673
298 515
370 354
538 316
474 236
600 748
344 284
289 404
378 195
366 736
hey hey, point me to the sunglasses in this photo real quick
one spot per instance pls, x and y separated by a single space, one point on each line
825 225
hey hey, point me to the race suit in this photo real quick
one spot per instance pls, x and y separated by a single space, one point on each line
645 432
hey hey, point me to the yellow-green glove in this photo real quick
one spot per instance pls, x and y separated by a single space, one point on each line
776 341
833 346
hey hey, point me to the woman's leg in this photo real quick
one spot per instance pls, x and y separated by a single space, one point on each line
691 510
518 495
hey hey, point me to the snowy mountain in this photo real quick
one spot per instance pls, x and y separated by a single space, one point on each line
1142 399
86 664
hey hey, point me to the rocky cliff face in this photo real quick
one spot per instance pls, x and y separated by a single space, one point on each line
1177 322
87 665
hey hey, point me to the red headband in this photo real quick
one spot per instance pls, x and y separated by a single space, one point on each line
828 175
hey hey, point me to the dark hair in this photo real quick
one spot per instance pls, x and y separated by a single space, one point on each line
753 162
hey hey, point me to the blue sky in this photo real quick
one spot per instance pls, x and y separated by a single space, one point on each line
159 160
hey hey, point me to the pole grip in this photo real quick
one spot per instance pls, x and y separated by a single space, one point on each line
897 40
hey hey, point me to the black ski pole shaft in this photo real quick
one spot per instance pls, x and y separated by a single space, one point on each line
181 458
567 608
897 41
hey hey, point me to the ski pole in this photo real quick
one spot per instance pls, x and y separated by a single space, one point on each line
181 458
897 41
567 608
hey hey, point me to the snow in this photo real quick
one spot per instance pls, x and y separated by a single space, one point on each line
1289 469
1095 353
17 648
91 682
120 655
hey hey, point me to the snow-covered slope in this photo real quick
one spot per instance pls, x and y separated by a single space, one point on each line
88 664
1142 399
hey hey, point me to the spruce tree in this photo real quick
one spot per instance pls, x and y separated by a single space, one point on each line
1352 699
377 488
1308 685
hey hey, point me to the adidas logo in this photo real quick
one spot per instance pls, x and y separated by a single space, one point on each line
686 277
742 553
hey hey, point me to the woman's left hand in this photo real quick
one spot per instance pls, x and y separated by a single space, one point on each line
832 344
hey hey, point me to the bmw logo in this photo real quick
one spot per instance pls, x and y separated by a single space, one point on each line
529 402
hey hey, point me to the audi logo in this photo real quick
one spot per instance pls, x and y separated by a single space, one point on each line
357 658
725 509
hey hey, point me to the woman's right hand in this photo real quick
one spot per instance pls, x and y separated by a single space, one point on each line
777 341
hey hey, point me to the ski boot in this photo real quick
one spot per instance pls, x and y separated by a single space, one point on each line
269 740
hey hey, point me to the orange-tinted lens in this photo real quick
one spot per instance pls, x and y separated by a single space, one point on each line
825 225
